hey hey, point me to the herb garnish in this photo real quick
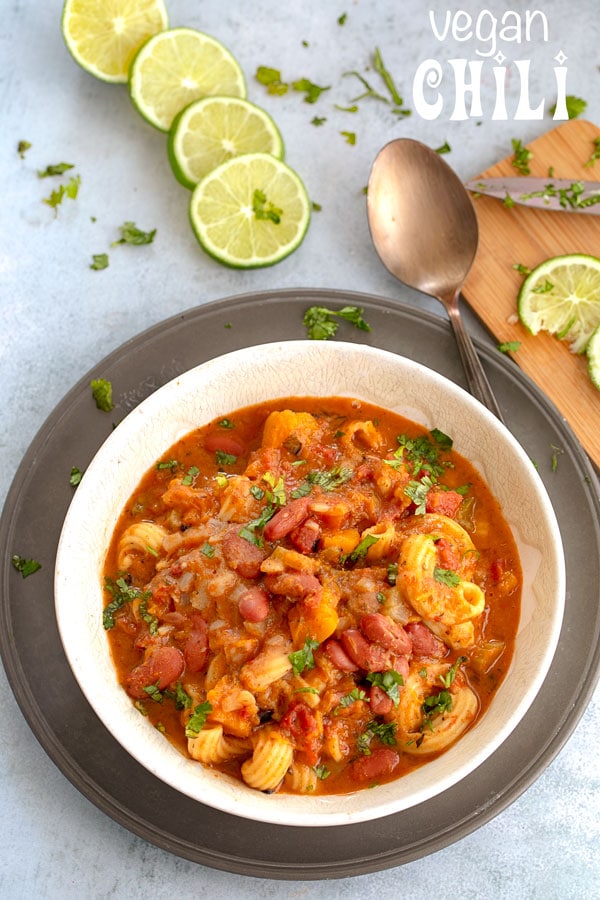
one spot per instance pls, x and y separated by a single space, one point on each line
350 137
440 703
446 576
25 566
303 659
57 169
70 190
102 393
321 324
389 681
575 106
190 476
595 153
312 91
354 696
225 459
509 346
445 148
197 720
130 234
99 261
75 476
360 551
385 731
264 210
22 148
331 479
522 157
122 593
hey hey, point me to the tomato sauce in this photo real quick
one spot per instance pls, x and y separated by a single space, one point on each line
312 595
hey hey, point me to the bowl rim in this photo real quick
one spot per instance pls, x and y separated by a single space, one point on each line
208 788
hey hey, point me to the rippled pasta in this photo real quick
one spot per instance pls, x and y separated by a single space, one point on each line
312 596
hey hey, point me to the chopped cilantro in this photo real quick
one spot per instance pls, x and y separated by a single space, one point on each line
421 453
445 148
167 464
271 79
575 106
75 476
446 576
320 322
102 394
331 479
442 439
130 234
417 491
22 148
385 731
99 261
522 157
197 720
303 659
153 692
389 681
509 346
25 566
150 620
225 459
435 705
122 593
190 476
354 696
57 169
318 120
263 210
350 137
312 91
342 19
595 153
360 551
321 771
521 269
207 550
226 423
544 288
69 190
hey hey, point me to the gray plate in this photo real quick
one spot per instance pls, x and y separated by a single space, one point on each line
94 762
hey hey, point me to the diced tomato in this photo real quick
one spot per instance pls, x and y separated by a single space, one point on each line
444 503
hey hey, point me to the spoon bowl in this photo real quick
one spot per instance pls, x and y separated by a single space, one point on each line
424 228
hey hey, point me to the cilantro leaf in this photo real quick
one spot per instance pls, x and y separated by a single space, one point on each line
22 148
350 137
445 148
197 720
75 476
575 106
446 576
360 551
189 477
312 91
522 157
130 234
385 731
331 479
99 261
69 190
509 346
102 393
390 682
122 593
57 169
303 659
263 210
25 566
320 322
271 79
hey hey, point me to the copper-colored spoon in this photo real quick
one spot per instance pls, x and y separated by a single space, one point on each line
424 229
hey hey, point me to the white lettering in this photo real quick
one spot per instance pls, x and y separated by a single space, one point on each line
511 32
530 16
500 113
484 15
440 35
524 110
429 72
458 29
462 88
561 112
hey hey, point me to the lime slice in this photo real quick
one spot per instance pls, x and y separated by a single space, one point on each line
250 211
215 129
562 296
593 355
103 36
178 66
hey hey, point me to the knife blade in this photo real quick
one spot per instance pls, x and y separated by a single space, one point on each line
559 194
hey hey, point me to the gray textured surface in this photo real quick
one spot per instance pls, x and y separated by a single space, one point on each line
58 318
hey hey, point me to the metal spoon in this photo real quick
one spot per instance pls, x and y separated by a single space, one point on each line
424 228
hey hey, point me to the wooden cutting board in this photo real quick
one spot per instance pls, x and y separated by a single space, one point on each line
529 236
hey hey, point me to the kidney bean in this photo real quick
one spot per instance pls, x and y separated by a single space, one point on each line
424 642
380 702
253 605
286 519
242 556
371 657
293 584
380 762
305 536
382 630
339 657
162 667
225 443
195 648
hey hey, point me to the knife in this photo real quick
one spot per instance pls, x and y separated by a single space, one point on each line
561 194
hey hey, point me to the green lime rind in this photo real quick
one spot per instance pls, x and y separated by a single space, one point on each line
222 217
214 129
176 67
562 296
80 37
593 357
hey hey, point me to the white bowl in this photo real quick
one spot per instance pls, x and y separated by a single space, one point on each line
306 368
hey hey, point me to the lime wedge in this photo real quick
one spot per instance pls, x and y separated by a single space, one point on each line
178 66
250 211
593 356
562 296
215 129
103 36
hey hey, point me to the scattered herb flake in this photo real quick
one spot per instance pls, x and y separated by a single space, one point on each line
69 190
575 106
595 153
522 157
321 324
226 423
509 346
225 459
190 475
57 169
207 550
385 731
556 451
131 234
331 479
122 593
521 269
360 551
446 576
318 120
25 566
167 464
303 659
75 476
389 681
265 210
99 261
197 720
271 79
22 148
312 91
445 148
102 393
321 771
350 137
342 19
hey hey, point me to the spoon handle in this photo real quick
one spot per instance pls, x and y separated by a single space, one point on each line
477 381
